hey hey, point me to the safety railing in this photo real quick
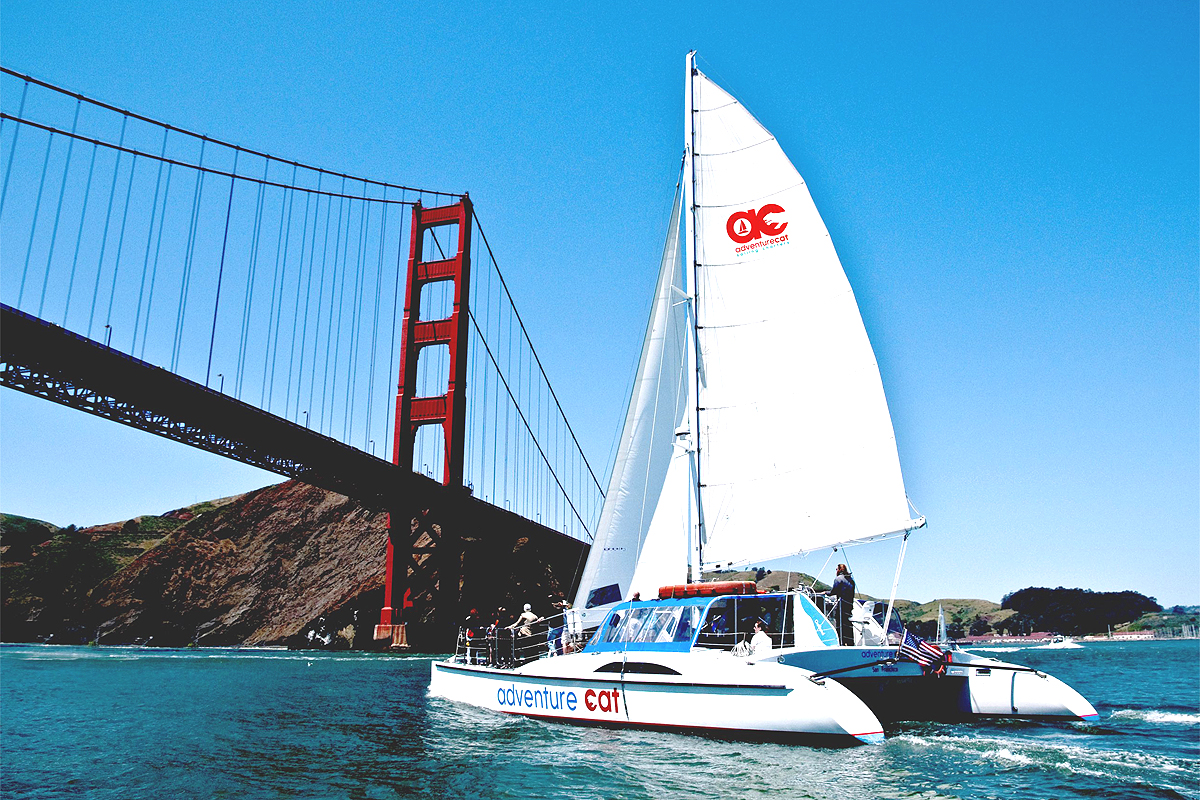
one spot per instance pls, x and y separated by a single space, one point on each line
507 647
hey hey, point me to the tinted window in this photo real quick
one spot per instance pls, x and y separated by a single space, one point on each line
604 595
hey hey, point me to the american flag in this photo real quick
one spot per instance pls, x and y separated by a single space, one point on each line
914 648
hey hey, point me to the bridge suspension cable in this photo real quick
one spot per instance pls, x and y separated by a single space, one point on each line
272 281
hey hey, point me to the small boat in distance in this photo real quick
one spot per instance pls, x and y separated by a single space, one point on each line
757 429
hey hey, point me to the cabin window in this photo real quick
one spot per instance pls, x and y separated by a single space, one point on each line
635 619
604 595
730 620
717 630
685 628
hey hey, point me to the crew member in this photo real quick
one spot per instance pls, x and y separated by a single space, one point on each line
843 590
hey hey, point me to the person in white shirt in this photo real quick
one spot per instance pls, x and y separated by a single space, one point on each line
761 641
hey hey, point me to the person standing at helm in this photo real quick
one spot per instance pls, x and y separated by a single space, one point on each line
843 590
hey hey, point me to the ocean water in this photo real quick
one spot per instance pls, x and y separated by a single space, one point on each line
143 723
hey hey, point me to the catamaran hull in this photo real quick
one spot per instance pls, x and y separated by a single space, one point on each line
773 704
971 687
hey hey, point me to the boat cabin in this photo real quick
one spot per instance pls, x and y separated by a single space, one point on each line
678 624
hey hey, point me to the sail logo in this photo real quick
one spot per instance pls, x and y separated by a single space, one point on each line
750 225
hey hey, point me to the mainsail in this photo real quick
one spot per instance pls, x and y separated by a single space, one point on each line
764 355
797 450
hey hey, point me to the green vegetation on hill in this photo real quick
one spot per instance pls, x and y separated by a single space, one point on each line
1073 611
49 572
1168 621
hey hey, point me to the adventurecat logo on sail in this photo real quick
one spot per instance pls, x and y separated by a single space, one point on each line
747 229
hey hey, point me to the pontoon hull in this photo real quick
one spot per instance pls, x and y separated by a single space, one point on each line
733 699
971 687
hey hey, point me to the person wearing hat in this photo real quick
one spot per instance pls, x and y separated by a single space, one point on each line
523 622
523 626
843 590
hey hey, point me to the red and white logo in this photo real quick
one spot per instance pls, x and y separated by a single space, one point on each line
746 226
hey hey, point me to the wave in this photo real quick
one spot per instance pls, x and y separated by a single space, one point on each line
1122 765
1157 717
996 649
123 653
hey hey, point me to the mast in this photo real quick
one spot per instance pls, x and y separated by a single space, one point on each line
691 276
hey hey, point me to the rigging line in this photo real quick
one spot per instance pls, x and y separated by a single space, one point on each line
287 241
392 367
13 151
287 400
312 252
181 312
375 326
112 191
823 566
283 204
539 363
337 346
121 240
87 193
33 228
137 319
312 384
62 190
251 273
29 79
198 168
154 269
496 399
356 320
329 337
471 414
507 413
212 339
526 422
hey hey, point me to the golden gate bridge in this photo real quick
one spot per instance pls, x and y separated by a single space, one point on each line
348 332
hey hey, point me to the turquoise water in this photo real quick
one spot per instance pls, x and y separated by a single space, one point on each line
136 723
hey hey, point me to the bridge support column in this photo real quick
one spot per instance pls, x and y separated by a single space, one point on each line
424 554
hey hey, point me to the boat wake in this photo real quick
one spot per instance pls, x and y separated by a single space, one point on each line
1157 717
995 649
1125 766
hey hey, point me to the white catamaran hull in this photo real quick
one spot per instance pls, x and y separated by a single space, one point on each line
971 686
710 692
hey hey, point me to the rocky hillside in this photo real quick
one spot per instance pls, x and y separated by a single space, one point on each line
288 564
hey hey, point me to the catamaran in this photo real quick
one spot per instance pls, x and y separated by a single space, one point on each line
757 429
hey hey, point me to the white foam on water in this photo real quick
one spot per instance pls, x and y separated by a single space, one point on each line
1114 764
1157 717
1004 754
996 649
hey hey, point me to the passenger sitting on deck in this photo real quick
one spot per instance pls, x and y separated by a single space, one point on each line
761 641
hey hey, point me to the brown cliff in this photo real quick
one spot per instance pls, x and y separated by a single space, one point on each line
287 564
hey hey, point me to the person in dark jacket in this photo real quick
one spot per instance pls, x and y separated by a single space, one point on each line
843 590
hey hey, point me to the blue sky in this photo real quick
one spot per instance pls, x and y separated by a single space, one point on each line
1012 189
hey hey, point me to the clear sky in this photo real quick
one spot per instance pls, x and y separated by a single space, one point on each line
1012 189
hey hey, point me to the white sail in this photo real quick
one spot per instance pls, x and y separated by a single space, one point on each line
639 520
797 447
